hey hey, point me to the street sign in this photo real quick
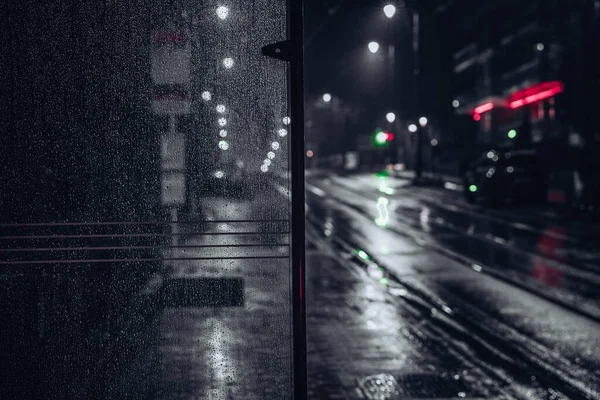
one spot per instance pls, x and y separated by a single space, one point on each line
172 151
171 57
173 189
170 62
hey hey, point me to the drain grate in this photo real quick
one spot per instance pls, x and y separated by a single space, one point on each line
412 386
380 387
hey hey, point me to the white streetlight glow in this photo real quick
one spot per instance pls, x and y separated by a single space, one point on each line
422 121
222 12
540 46
221 108
286 120
228 62
206 96
373 47
271 155
391 117
282 132
434 142
223 133
455 103
326 97
389 10
222 122
412 128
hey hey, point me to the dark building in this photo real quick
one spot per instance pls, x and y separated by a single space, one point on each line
520 69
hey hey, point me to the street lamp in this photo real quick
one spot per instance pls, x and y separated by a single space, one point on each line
391 117
222 12
389 10
326 97
412 128
373 47
423 121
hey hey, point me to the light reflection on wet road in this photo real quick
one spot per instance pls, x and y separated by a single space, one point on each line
540 255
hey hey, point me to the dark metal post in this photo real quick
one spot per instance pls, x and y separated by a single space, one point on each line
297 194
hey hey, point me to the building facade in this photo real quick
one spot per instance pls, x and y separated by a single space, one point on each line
513 68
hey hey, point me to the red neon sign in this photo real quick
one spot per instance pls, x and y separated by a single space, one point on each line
535 93
483 108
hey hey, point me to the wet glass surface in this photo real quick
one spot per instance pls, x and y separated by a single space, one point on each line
144 252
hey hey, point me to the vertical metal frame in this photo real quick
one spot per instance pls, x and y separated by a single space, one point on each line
296 91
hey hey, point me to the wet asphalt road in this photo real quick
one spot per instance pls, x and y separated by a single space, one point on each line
518 278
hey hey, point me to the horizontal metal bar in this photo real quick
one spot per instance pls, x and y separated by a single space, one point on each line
108 235
200 246
117 260
42 224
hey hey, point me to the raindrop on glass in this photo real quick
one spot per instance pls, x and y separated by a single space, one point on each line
222 12
228 62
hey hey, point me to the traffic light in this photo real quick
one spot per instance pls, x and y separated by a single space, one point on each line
512 134
381 138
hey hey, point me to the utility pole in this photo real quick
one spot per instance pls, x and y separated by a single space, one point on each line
416 72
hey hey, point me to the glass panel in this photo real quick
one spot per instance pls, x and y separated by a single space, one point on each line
145 225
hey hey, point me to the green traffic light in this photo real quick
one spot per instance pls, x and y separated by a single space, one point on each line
512 134
473 188
381 137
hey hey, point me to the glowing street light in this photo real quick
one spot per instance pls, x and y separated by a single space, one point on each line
412 128
423 121
373 47
222 12
391 117
389 10
228 62
455 103
326 97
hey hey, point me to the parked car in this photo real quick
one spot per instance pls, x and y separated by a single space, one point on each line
498 176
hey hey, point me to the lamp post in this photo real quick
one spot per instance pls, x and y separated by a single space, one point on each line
389 11
419 161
